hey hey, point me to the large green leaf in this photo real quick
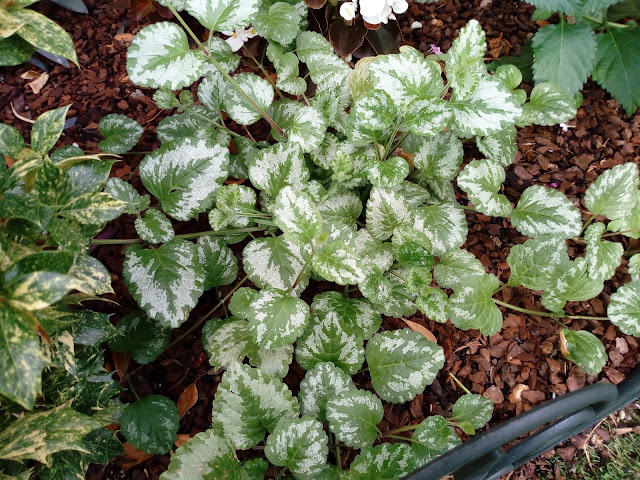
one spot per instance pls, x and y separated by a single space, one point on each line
221 15
612 194
322 383
386 210
383 462
47 129
402 363
279 165
539 262
545 211
624 308
44 33
11 142
300 444
141 337
184 175
584 349
281 23
8 24
472 305
565 6
473 409
160 57
444 225
248 404
38 290
548 104
151 424
356 316
166 281
353 416
564 55
455 266
237 106
573 284
121 133
465 59
432 438
481 180
603 257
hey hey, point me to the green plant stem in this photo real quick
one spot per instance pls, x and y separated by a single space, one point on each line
400 141
406 428
587 223
127 241
132 388
264 72
546 314
613 234
225 74
455 379
302 272
398 437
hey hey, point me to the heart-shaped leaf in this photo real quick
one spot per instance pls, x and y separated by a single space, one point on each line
218 261
154 227
237 106
545 211
151 424
455 266
141 337
432 438
353 416
603 257
612 194
322 383
120 133
474 409
584 349
481 180
472 305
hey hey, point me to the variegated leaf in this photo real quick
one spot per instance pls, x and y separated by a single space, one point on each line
383 462
472 306
44 33
184 175
538 263
272 361
455 266
338 263
624 308
322 383
436 156
340 204
584 349
279 165
222 52
356 316
218 261
465 59
93 277
288 70
634 267
195 122
603 257
500 147
398 300
47 129
304 125
121 133
8 24
433 437
473 409
238 108
123 191
353 416
542 211
38 290
166 281
402 363
548 105
280 23
93 208
573 284
141 337
249 403
374 110
434 303
241 300
151 424
613 193
428 116
386 210
15 50
238 200
326 69
509 75
160 57
11 142
389 173
445 225
629 225
296 214
221 15
154 227
300 445
481 180
276 319
373 251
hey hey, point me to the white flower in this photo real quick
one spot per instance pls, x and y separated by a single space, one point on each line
239 37
372 8
399 6
416 25
382 17
348 10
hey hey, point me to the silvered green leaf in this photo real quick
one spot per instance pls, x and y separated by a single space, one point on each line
398 301
302 124
376 286
279 165
445 225
166 281
47 129
474 409
629 225
14 50
539 262
481 180
383 462
634 267
455 266
603 257
388 174
121 190
93 277
341 204
386 210
624 308
321 383
326 69
276 319
434 303
356 317
11 142
21 359
373 251
239 200
217 260
471 306
287 68
241 300
436 156
573 284
374 110
151 424
612 194
154 227
43 33
194 122
500 147
272 361
326 341
296 215
184 175
281 23
406 76
402 363
222 52
141 337
238 108
465 59
205 454
428 116
510 75
542 211
93 208
338 263
353 416
548 104
166 100
584 349
249 403
221 15
432 438
121 133
300 444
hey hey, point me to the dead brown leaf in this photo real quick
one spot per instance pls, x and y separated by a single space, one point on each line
188 399
182 439
121 362
132 456
416 327
39 80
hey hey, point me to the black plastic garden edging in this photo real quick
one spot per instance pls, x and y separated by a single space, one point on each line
484 456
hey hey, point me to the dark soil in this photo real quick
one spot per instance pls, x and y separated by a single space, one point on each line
517 368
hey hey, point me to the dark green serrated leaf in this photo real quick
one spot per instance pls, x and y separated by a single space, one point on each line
141 337
151 424
121 133
432 438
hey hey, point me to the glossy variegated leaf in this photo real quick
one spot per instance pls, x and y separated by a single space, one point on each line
38 290
207 453
326 341
276 319
21 359
341 204
542 211
15 50
299 444
548 104
120 133
322 383
388 174
445 225
455 266
52 184
473 409
166 281
92 276
472 306
539 262
160 57
47 129
406 76
296 214
428 116
383 462
184 175
249 403
44 33
11 142
465 62
154 227
439 156
8 24
151 424
612 194
93 208
603 257
432 438
353 416
584 349
288 70
386 210
624 307
238 108
92 328
402 363
221 15
374 110
634 267
141 337
356 316
281 23
304 125
326 69
88 176
481 180
275 262
572 284
279 165
217 260
338 263
500 147
434 303
123 191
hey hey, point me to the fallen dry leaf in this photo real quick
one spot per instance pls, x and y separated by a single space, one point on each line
39 80
516 394
121 363
132 456
416 327
182 439
188 399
